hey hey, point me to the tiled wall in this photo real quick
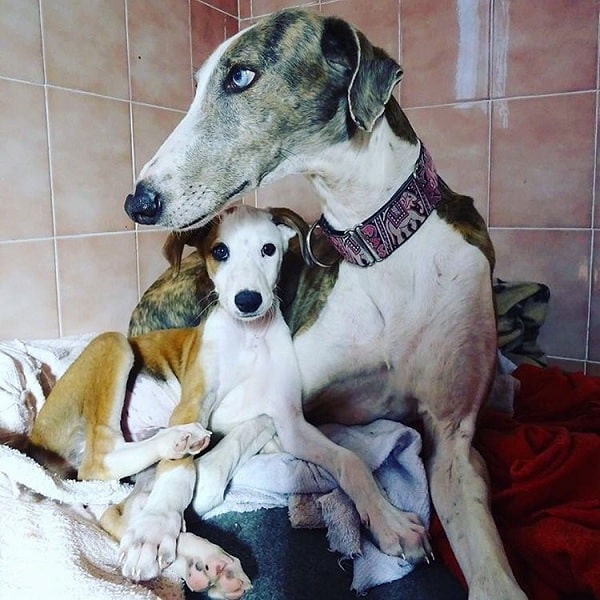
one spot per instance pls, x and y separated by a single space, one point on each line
503 92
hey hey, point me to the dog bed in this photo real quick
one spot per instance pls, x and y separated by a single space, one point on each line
544 462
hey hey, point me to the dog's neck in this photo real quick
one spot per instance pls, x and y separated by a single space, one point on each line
374 166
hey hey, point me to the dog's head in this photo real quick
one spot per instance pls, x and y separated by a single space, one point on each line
243 249
268 101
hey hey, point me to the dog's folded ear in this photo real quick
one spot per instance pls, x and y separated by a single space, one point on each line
373 74
177 240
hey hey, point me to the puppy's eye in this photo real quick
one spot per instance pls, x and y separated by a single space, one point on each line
220 252
239 79
268 249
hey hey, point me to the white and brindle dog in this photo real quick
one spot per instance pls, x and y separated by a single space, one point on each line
407 328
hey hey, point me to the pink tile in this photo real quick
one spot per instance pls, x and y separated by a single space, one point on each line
85 46
24 169
597 186
151 261
209 28
20 40
98 282
542 161
560 259
457 138
151 127
228 6
593 369
379 22
594 341
564 364
544 46
445 50
28 290
265 7
159 52
245 8
91 162
294 192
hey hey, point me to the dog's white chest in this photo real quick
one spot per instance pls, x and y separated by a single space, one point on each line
252 367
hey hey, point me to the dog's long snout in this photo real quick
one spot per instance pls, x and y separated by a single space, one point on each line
144 206
248 301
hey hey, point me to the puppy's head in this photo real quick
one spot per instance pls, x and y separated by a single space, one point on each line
243 254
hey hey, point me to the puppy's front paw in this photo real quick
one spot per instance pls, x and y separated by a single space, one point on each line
207 567
149 544
183 440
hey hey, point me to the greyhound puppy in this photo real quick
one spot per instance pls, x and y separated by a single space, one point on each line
407 329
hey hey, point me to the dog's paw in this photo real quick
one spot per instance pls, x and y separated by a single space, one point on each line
182 440
206 567
149 544
402 534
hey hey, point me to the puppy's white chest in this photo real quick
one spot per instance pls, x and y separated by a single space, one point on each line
253 367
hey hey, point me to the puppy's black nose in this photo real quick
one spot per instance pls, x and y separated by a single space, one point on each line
248 301
144 206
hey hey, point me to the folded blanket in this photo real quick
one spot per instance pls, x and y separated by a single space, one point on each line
544 465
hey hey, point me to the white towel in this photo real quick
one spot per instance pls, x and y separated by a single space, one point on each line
50 549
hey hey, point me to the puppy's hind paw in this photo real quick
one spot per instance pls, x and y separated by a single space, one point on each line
206 567
183 440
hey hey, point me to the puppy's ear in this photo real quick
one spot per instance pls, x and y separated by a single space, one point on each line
292 221
373 74
177 240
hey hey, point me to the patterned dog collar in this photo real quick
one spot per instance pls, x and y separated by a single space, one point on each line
385 231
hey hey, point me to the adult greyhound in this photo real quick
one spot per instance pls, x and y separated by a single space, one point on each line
408 328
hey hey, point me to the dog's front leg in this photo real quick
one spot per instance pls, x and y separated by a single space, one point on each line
149 543
396 532
215 469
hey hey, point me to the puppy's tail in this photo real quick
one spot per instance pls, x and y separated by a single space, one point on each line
48 459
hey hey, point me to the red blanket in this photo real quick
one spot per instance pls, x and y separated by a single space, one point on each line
544 465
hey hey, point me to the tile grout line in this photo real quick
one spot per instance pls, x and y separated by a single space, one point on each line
54 237
132 143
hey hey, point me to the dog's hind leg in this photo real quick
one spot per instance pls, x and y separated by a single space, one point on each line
81 419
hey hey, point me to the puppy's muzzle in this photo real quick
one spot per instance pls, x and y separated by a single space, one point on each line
248 301
144 206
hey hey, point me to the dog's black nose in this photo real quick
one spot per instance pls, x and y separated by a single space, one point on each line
144 206
248 301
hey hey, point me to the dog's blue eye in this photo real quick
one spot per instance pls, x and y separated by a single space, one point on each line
268 250
220 252
239 79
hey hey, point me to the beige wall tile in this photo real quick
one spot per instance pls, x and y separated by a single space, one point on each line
91 162
95 275
445 50
20 40
85 46
594 349
209 28
24 168
542 161
228 6
544 46
152 263
159 52
28 290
